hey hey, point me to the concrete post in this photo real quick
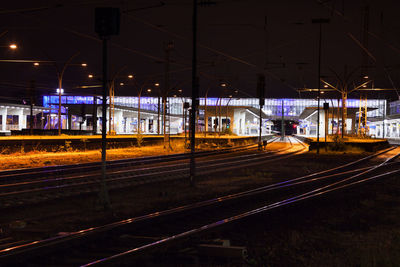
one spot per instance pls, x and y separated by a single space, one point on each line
3 113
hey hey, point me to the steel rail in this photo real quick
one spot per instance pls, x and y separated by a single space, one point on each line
36 181
91 179
310 194
74 235
13 174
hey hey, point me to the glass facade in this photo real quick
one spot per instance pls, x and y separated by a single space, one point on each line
292 107
394 107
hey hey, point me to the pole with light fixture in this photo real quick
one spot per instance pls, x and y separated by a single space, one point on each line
60 75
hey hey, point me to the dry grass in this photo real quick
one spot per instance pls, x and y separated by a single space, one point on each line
39 159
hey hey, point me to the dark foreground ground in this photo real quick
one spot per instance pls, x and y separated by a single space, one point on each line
356 227
359 226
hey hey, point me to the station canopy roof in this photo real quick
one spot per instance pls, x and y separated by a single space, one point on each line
308 111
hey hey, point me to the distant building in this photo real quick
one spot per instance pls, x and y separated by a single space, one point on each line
15 117
240 115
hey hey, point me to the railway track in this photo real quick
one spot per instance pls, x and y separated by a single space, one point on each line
24 189
51 171
116 243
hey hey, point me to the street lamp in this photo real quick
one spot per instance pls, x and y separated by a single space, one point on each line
205 113
60 75
139 125
13 46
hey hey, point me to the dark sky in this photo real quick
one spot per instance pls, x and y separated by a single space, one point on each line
236 44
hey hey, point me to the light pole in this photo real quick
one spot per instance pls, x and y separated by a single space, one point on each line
157 85
205 113
60 75
138 118
111 114
319 21
226 113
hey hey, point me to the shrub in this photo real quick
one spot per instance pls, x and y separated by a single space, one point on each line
139 140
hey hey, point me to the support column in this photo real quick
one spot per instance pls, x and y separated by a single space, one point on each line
21 119
3 113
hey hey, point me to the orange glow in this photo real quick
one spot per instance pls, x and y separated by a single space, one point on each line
90 75
84 65
157 84
36 64
13 46
130 76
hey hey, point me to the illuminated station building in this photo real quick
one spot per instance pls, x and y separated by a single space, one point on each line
237 115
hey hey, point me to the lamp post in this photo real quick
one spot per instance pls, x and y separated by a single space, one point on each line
111 114
226 113
157 85
60 75
319 21
205 113
138 118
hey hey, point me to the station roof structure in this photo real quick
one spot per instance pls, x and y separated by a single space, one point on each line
309 111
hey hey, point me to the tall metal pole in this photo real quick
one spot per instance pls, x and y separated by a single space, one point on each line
31 96
104 192
319 77
60 77
168 48
139 124
205 114
59 103
319 21
95 113
158 112
283 123
259 136
194 96
261 100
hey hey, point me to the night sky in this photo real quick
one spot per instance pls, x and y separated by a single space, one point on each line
237 40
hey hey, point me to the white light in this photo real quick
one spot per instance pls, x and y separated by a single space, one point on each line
58 90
